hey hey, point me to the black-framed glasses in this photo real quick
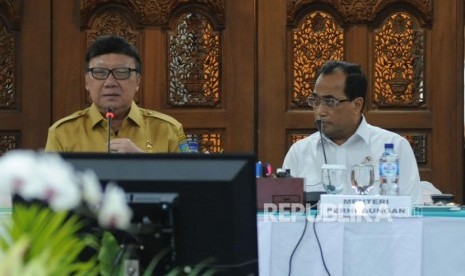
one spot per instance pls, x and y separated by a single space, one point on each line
329 102
117 73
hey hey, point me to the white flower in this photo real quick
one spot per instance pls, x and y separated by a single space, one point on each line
91 190
41 176
17 169
49 178
114 213
59 185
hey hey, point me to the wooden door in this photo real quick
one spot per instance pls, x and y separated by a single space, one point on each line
411 53
24 74
214 102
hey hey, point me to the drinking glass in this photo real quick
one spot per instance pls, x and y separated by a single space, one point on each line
333 178
362 178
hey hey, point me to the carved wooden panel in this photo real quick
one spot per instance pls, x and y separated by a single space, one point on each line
356 12
9 23
317 39
9 141
10 9
210 140
399 63
194 63
151 12
418 143
8 90
294 136
112 22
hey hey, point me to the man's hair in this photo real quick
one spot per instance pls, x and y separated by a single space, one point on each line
356 82
112 44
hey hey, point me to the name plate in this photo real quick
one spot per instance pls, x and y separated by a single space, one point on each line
369 206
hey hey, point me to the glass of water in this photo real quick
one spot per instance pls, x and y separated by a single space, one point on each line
362 178
333 178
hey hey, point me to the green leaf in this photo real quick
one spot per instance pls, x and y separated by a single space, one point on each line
155 261
108 254
54 238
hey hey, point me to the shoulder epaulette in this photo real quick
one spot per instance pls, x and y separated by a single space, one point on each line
70 117
159 115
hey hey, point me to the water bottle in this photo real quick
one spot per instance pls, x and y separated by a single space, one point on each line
193 143
389 171
193 146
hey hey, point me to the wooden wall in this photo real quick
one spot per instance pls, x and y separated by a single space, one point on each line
42 77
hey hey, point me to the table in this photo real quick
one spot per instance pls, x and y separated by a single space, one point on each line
430 244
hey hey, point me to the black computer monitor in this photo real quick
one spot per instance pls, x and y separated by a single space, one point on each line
207 201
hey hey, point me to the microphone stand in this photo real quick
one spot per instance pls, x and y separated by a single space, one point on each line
319 125
109 115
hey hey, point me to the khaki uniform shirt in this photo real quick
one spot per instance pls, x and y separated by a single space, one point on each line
87 131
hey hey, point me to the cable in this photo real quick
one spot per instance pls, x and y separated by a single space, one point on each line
319 245
300 240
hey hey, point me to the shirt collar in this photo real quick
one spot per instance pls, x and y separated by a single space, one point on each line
361 132
96 117
135 115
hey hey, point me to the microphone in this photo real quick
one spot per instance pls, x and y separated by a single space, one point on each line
319 126
109 115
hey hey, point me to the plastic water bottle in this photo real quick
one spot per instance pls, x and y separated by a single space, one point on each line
389 171
193 146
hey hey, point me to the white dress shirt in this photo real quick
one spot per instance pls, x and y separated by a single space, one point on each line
305 158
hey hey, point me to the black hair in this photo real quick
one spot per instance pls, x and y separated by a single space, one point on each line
355 83
112 44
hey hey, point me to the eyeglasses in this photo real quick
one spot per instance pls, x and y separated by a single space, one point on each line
329 102
117 73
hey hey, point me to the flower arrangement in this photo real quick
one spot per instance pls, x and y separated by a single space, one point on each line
43 235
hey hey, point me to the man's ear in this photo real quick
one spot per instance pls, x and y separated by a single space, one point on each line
358 102
138 82
85 80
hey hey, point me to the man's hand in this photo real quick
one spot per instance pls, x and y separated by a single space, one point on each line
123 145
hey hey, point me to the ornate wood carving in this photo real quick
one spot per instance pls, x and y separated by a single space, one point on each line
9 141
194 63
210 141
399 63
361 11
9 22
318 38
112 22
150 12
9 9
418 143
8 93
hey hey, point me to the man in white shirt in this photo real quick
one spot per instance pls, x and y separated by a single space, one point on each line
338 99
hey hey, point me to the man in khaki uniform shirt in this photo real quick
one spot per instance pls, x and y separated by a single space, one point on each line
112 78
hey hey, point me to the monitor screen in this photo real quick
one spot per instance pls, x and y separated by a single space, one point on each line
203 204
